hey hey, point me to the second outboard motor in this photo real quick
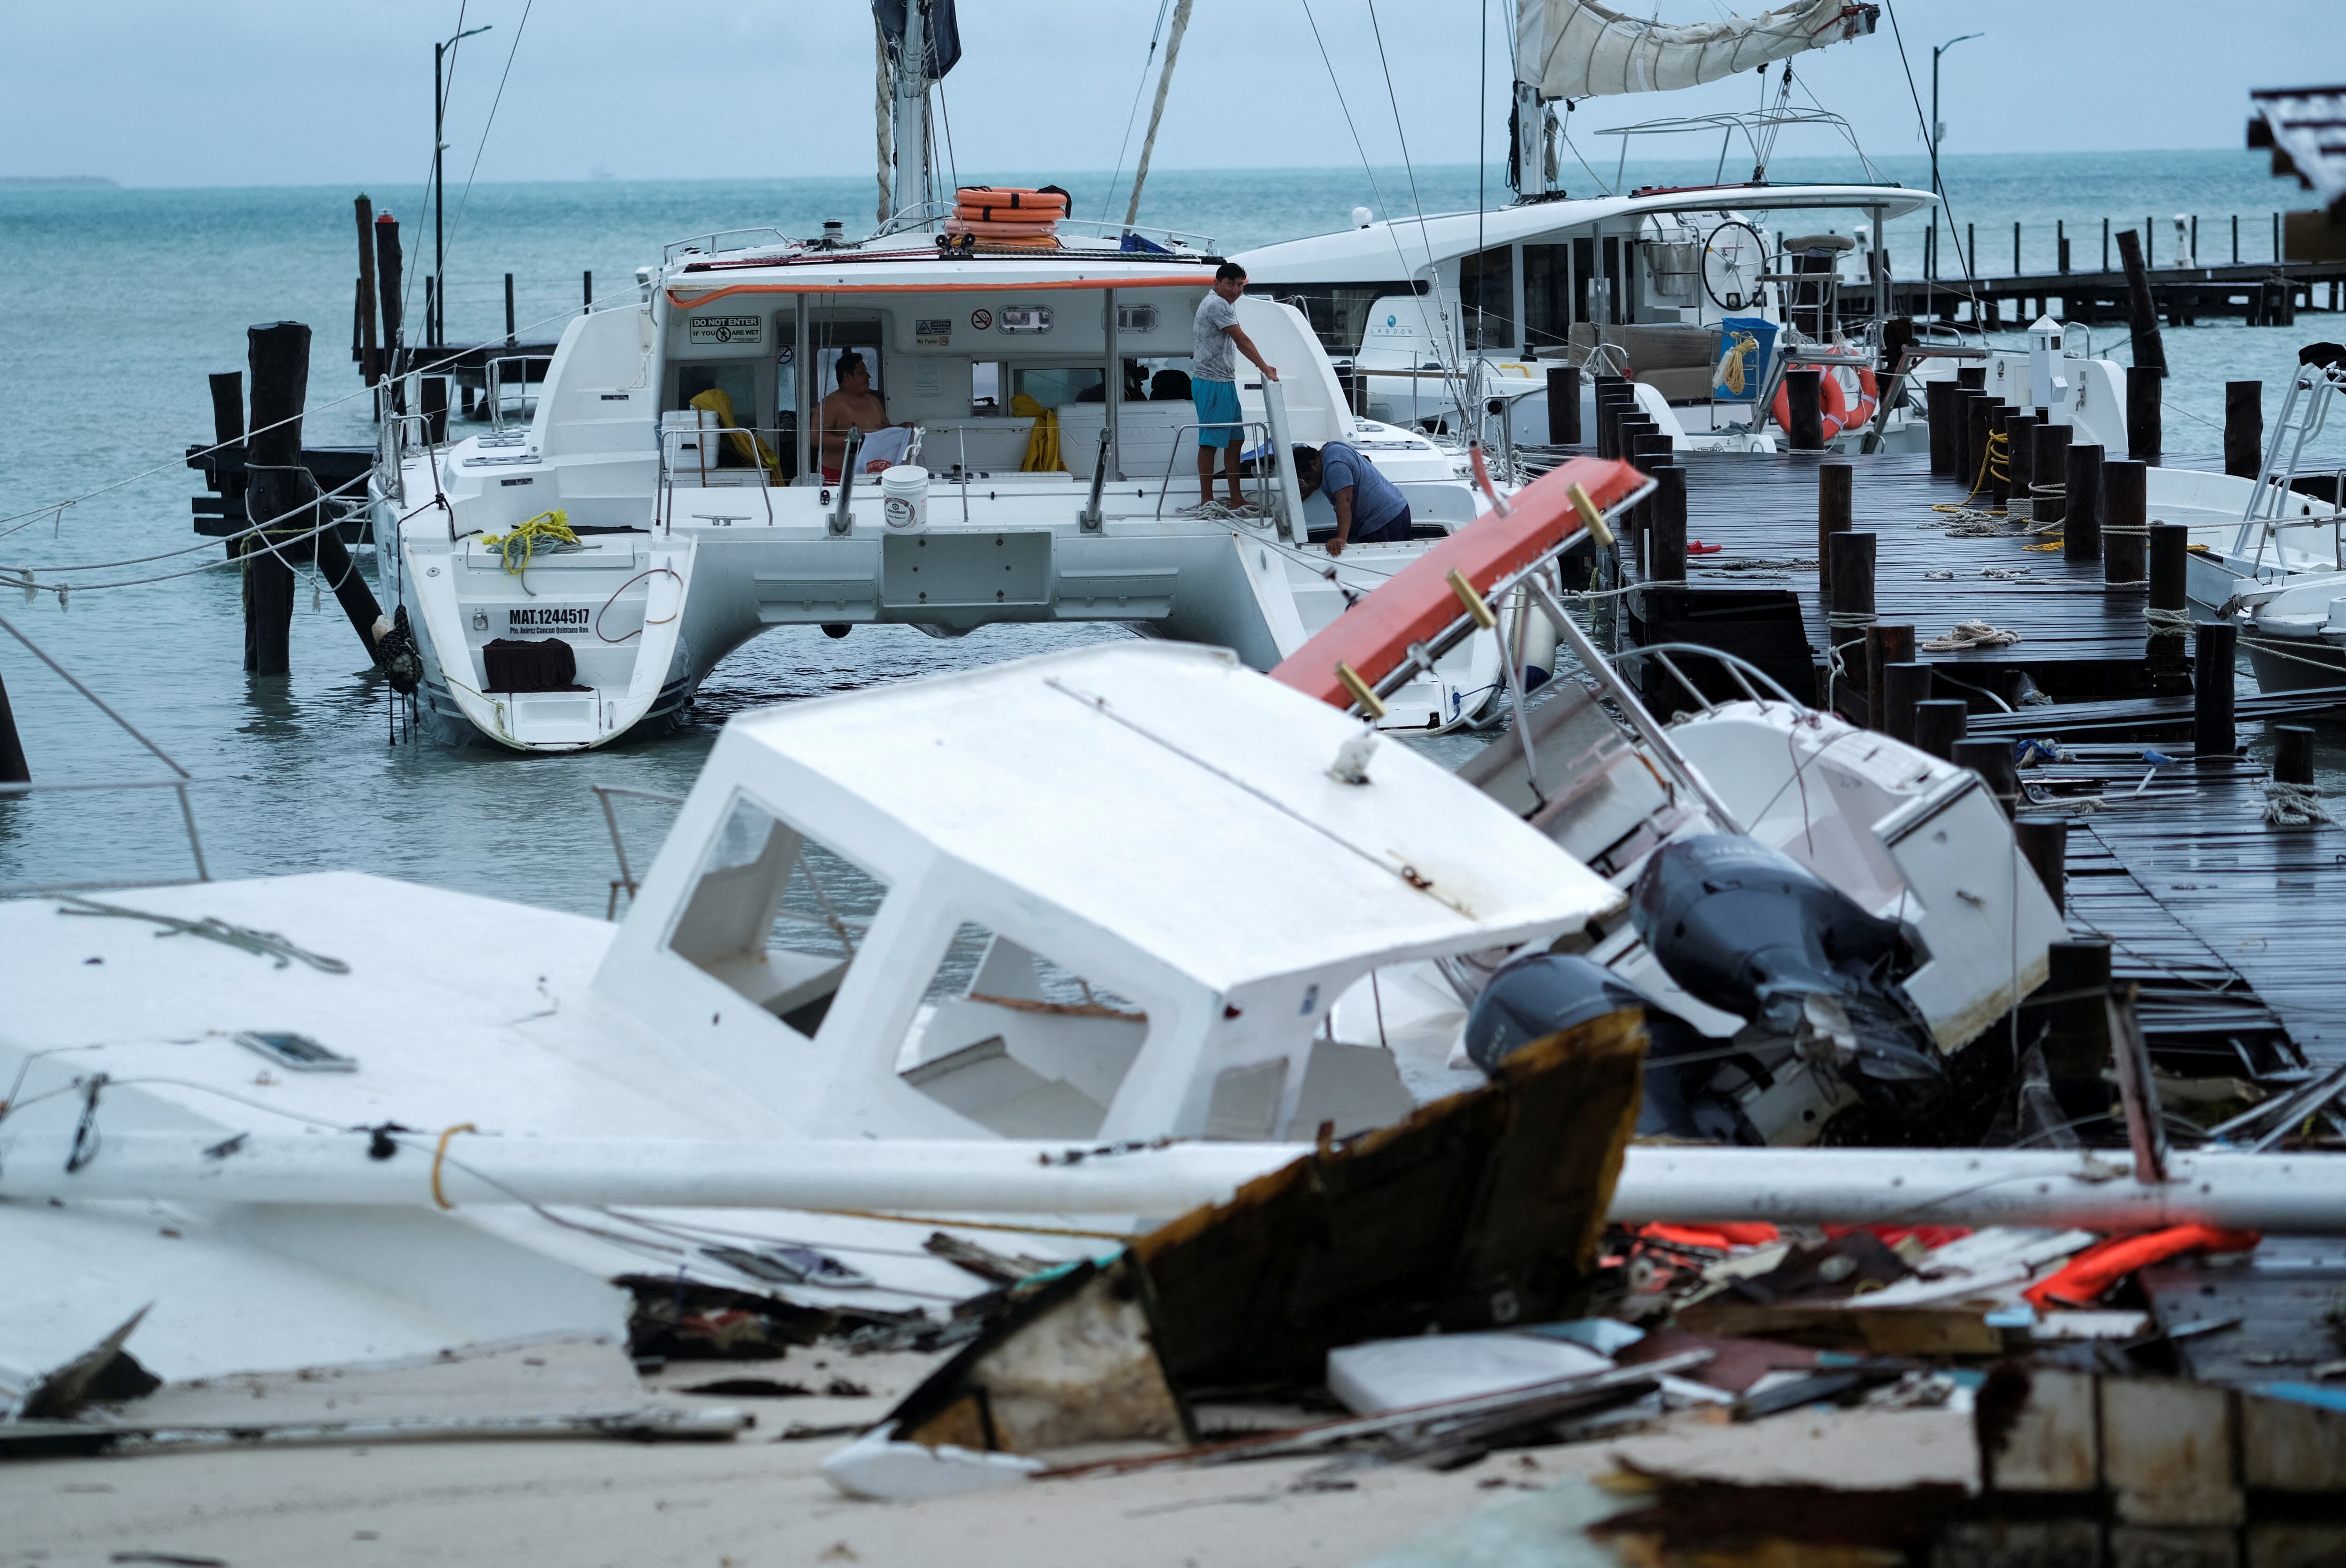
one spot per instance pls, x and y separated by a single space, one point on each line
1753 932
1543 993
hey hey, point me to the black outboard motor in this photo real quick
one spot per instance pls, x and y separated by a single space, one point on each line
1542 993
1753 932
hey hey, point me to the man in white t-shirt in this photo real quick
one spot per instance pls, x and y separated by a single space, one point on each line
1213 379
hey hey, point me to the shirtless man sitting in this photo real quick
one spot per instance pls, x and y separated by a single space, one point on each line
853 406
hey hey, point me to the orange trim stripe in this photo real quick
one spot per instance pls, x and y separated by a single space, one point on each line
988 287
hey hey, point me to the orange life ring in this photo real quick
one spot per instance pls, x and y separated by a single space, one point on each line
1025 217
1050 201
1003 233
1828 393
1869 401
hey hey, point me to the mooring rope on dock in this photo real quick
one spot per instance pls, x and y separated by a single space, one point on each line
2290 805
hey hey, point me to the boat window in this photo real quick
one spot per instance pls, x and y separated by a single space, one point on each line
1486 298
1055 386
1339 312
986 388
1017 1044
777 916
1160 380
1548 296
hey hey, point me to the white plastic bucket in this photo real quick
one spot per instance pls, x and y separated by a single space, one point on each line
904 498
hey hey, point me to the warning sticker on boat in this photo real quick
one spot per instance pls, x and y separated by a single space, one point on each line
980 320
727 328
933 332
542 618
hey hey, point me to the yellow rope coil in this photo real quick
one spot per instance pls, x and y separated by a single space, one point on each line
552 527
1992 463
440 1154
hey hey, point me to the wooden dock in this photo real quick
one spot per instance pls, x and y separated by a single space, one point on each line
2183 875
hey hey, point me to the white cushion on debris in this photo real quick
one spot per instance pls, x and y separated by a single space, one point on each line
1393 1374
878 1467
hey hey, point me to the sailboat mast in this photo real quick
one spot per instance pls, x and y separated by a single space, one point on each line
911 133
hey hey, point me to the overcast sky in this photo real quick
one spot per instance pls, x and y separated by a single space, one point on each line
324 92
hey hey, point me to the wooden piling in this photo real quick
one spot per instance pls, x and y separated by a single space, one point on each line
1650 452
370 337
2047 472
586 288
1803 409
1938 409
1972 378
2125 516
2212 730
1666 538
1836 484
1990 757
278 354
1977 410
2045 843
1905 686
2170 610
2081 529
13 769
351 590
228 437
2292 754
1939 723
2019 433
387 276
1851 595
2077 1028
511 341
434 409
1613 396
1562 395
2144 437
2244 428
2142 308
1884 645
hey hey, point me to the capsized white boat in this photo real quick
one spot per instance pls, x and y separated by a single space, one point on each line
974 945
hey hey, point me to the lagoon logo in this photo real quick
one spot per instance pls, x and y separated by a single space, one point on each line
1392 320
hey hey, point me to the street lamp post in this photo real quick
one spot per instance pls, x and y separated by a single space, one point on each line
1938 128
436 329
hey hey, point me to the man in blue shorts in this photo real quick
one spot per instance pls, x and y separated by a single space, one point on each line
1370 508
1214 378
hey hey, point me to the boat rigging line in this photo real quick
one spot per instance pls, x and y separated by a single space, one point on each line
1156 111
466 200
1392 232
1155 36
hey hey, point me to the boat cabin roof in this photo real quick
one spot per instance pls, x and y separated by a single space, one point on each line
1158 793
1370 253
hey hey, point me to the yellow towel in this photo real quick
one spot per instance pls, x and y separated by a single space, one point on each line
743 443
1043 443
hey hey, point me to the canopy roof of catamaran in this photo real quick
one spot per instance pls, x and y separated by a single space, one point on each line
1367 254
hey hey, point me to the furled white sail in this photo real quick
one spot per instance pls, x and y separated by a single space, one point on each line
1580 49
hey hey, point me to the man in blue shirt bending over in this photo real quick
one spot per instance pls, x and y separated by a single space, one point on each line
1370 510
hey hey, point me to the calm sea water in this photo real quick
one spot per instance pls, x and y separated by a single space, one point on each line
127 299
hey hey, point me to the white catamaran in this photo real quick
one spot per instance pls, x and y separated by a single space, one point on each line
676 491
1684 289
